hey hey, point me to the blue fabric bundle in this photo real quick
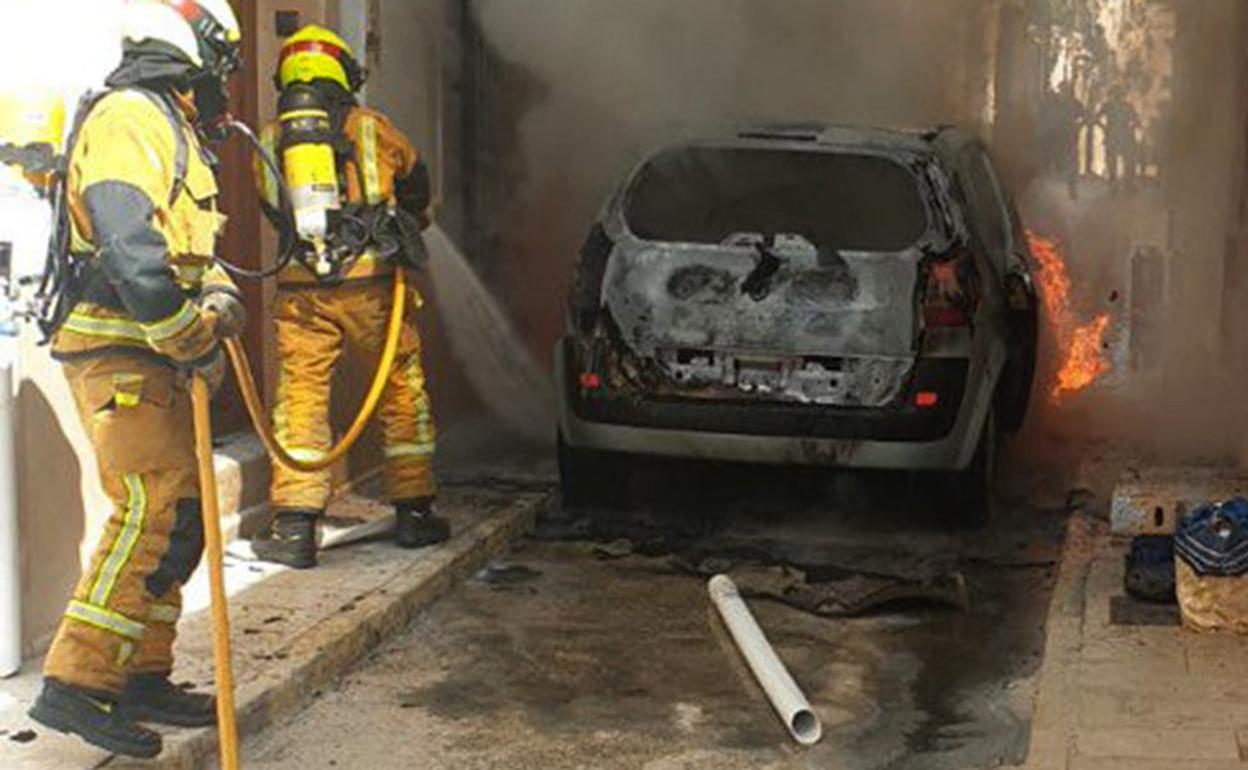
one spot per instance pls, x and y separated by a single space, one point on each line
1213 539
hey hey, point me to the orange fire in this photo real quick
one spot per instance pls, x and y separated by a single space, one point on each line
1080 346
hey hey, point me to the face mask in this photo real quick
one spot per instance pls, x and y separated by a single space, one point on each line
212 103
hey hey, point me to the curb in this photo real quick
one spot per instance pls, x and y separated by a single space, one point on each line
313 661
1052 726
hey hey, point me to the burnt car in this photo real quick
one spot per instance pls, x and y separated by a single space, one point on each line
848 297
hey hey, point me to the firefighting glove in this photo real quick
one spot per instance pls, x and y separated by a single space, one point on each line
231 316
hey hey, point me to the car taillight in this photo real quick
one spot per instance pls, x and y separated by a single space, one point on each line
944 316
926 399
950 297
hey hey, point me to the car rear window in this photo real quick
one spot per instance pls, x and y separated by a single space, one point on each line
838 201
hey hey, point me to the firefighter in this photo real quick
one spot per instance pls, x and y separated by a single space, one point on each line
359 195
148 312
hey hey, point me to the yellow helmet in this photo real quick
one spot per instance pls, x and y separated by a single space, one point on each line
316 53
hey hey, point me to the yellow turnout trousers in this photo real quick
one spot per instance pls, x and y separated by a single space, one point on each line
121 618
314 325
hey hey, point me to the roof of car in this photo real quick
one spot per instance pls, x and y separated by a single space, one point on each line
914 139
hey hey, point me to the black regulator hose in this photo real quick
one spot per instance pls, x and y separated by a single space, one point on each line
284 206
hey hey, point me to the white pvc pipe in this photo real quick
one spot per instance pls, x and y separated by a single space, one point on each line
10 549
785 696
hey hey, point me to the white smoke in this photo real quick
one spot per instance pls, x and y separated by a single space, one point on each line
486 345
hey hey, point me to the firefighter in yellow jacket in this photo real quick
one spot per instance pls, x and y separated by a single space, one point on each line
358 197
149 311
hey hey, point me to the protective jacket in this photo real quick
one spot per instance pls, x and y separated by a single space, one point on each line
379 170
142 198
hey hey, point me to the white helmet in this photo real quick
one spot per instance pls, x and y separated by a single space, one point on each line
206 32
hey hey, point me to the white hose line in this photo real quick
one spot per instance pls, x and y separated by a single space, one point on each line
785 696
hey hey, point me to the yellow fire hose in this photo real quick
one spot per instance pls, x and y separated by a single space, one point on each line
260 419
227 727
201 398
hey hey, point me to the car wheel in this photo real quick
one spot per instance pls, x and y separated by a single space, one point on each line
587 476
968 495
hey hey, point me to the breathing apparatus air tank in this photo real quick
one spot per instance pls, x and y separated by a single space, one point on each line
32 124
309 168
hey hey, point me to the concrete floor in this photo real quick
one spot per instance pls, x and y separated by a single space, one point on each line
564 660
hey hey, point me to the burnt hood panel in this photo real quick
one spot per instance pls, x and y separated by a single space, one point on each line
689 296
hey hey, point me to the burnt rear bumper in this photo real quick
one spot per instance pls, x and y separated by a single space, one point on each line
900 438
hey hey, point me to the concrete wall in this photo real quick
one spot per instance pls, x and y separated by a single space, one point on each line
1207 133
63 509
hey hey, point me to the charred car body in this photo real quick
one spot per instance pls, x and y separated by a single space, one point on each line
858 298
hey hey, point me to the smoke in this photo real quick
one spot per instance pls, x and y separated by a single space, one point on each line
619 78
1206 320
1179 66
610 80
485 344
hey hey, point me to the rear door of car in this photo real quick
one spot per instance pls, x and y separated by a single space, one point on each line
845 287
995 228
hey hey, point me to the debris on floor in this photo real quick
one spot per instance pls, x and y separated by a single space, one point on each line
852 595
502 574
827 590
1129 611
23 736
786 697
616 549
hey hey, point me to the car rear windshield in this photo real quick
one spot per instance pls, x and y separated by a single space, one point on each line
838 201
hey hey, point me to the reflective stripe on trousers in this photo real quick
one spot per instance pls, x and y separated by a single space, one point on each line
123 545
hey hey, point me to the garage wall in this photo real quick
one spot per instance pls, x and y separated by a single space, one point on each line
576 93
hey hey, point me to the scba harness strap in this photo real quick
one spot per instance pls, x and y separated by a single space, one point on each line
67 276
370 226
171 114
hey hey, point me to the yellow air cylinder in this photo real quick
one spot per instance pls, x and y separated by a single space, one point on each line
308 162
313 182
30 117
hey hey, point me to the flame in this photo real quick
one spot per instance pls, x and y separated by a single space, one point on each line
1080 346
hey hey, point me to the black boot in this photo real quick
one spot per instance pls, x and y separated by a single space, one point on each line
153 698
289 540
99 722
416 525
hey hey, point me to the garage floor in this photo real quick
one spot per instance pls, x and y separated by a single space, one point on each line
561 658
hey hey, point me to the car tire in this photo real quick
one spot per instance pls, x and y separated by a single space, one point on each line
589 477
968 497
